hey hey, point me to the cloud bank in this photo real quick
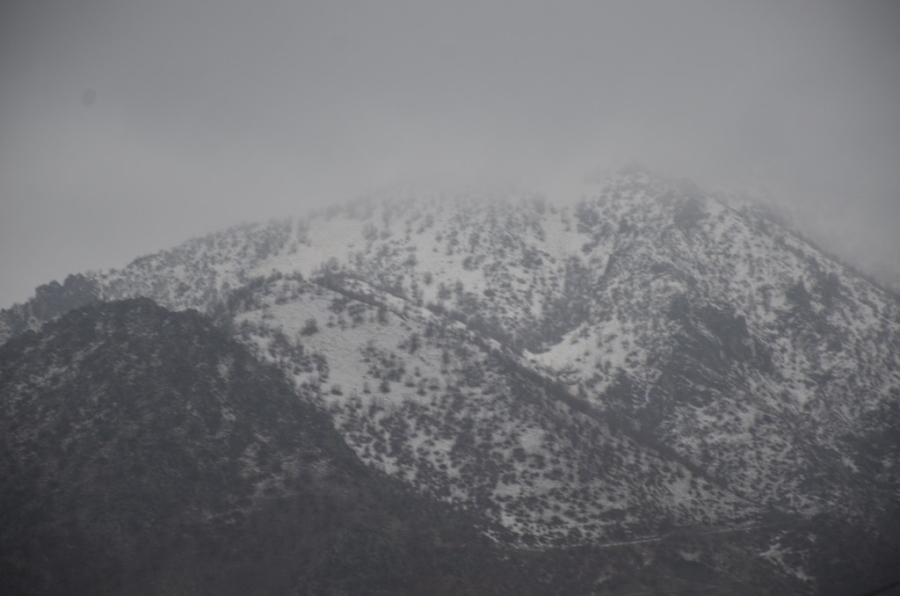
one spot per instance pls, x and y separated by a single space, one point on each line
128 126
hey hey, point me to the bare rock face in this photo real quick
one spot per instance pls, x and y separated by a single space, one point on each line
651 367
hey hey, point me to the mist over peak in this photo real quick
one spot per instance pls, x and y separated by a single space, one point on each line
127 127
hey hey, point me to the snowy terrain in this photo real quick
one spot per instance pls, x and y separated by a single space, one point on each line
643 359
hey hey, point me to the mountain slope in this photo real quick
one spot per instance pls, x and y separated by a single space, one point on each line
458 418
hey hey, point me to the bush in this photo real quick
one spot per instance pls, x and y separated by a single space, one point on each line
310 327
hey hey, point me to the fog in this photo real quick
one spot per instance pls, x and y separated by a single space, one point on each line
126 126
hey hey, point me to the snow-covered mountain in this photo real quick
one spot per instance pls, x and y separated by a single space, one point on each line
645 361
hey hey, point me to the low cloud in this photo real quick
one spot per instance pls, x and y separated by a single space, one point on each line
127 126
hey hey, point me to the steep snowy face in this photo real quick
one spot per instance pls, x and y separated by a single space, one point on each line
648 356
461 418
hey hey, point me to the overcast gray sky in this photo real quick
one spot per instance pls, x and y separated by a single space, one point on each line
128 126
